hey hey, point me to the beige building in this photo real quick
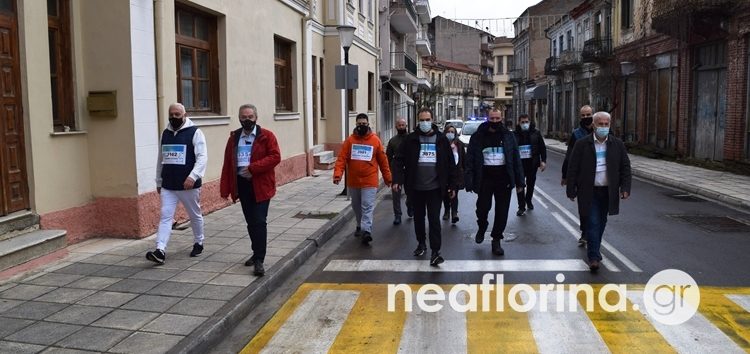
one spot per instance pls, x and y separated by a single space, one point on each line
502 56
88 85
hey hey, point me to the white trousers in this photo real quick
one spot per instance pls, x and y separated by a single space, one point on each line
191 200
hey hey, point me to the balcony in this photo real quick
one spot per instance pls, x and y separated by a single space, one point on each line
552 66
596 50
679 18
404 18
570 60
486 62
423 43
403 68
486 47
423 11
486 77
515 75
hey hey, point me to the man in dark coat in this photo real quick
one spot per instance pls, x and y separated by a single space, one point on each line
598 175
533 157
585 127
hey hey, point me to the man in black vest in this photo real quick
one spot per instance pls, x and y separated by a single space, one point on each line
533 156
180 166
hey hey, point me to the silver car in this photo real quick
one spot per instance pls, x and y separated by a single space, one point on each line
469 128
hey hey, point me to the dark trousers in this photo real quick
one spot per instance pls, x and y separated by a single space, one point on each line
428 201
396 196
597 221
524 197
255 216
451 205
502 193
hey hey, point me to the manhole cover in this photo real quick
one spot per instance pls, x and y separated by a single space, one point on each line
315 215
714 223
686 197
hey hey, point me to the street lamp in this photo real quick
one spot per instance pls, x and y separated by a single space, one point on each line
626 68
346 35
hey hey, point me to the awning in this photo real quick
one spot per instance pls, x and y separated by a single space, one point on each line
401 93
535 93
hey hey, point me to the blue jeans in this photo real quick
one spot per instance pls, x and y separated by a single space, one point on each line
597 221
255 216
363 204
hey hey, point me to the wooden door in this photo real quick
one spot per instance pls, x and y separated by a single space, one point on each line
315 96
710 98
14 189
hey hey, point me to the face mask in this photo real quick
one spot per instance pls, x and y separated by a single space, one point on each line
176 123
450 136
362 130
587 121
525 126
495 125
401 131
425 126
247 125
602 131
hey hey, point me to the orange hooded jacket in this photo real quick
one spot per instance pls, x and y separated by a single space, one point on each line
361 155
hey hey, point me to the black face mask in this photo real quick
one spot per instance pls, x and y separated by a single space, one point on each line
401 131
495 125
247 125
361 130
176 123
587 121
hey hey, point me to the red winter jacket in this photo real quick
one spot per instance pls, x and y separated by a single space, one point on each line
264 157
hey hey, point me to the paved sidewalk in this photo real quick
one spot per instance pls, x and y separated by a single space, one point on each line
726 187
105 296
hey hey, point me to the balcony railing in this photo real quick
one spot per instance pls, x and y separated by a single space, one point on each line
404 16
468 91
409 6
570 59
515 75
486 77
402 61
552 66
486 62
678 17
596 49
486 47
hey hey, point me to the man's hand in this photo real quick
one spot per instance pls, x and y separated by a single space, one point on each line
336 180
563 181
158 190
388 184
188 184
624 195
519 189
245 173
395 187
542 166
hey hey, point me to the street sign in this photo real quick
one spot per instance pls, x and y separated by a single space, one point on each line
347 80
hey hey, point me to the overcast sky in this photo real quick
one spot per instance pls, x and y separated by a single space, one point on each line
498 15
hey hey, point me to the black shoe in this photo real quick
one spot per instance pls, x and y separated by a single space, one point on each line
594 265
343 193
454 219
358 232
446 216
479 238
366 238
520 212
582 240
436 258
497 249
259 270
420 251
197 249
529 205
397 220
156 256
410 212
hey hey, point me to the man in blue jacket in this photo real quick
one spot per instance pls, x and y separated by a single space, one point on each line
492 169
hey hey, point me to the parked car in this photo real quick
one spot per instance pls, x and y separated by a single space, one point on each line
469 128
457 123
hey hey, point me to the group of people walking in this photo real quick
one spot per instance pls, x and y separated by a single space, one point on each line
430 167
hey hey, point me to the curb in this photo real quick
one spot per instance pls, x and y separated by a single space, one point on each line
659 179
211 332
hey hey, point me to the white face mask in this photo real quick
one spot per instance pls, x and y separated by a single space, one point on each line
525 126
450 136
425 126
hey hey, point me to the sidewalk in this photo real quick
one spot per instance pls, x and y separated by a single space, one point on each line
105 296
722 186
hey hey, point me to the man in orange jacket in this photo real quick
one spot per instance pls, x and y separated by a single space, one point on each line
361 154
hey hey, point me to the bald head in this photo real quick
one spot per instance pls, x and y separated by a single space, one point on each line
400 124
587 111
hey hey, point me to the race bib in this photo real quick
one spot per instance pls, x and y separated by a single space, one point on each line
243 155
173 154
493 156
601 161
525 151
427 153
362 152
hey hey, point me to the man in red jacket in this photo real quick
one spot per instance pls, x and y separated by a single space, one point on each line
248 174
361 154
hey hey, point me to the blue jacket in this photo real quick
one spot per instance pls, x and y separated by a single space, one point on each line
475 159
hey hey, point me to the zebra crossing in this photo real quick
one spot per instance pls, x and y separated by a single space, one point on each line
353 318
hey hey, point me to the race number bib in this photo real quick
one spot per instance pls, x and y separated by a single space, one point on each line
362 152
525 151
427 153
601 161
243 155
173 154
494 156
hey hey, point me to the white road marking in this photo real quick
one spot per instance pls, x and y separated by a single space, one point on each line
606 263
742 300
697 335
315 323
443 331
505 265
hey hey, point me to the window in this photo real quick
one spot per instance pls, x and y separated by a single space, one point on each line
626 13
570 40
60 64
370 92
500 68
554 47
197 61
283 74
322 90
362 7
369 9
562 43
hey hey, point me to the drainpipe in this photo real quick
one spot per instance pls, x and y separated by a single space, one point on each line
307 91
158 26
